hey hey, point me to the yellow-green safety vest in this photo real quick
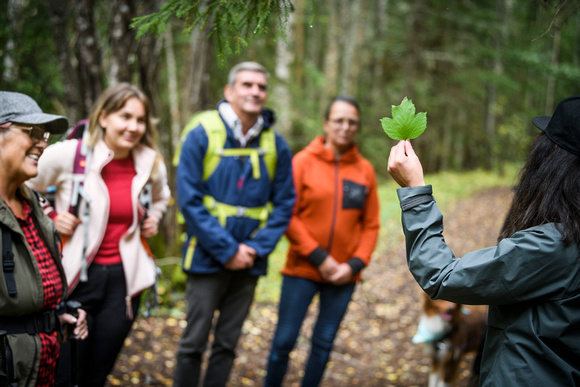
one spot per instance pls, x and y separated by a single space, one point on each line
215 130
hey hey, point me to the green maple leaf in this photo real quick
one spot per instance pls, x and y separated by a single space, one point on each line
405 124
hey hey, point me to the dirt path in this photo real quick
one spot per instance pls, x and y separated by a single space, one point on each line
373 347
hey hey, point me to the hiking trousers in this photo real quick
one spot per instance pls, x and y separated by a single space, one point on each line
103 298
232 294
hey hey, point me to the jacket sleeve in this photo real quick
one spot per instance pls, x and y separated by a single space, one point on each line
369 221
211 236
531 265
282 197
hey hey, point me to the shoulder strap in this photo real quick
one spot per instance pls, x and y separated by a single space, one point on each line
216 136
268 145
206 118
216 139
79 167
82 158
8 260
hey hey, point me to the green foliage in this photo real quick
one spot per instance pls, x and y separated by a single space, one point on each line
28 62
232 22
405 124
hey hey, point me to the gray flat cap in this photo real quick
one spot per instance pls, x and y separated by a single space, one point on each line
18 107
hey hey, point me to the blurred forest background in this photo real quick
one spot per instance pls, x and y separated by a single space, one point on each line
481 69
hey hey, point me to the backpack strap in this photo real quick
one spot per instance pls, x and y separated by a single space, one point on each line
79 167
215 130
206 118
217 135
268 146
6 362
8 260
82 159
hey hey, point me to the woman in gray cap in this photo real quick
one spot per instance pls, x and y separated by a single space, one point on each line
531 279
32 281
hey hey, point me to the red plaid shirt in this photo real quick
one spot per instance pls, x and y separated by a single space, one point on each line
52 284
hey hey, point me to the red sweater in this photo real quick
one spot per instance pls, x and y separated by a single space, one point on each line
336 211
118 176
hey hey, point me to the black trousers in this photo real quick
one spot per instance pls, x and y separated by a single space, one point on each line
103 298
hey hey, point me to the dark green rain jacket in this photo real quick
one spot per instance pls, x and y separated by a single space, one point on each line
530 281
30 297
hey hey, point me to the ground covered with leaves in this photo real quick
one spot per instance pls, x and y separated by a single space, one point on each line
373 347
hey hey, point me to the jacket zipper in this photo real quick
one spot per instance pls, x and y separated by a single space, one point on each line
334 207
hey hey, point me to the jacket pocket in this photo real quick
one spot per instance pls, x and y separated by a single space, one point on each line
353 195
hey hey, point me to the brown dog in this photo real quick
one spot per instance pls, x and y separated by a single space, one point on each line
449 331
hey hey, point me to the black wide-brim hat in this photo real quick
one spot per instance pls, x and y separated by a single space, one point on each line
20 108
563 127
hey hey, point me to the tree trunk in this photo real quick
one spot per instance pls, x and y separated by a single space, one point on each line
196 91
88 54
380 32
58 12
415 26
281 92
13 13
490 113
350 64
173 91
551 87
148 51
299 39
122 40
332 53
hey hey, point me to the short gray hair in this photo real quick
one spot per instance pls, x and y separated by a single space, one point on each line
245 66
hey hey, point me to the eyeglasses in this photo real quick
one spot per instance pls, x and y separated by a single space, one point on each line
36 133
339 122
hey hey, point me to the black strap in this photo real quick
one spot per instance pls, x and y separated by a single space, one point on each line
41 322
8 260
6 362
10 366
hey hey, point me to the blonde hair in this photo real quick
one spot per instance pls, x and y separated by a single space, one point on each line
113 99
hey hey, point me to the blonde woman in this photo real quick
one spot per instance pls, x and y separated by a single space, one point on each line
122 193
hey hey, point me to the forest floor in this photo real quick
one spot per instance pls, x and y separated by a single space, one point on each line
373 346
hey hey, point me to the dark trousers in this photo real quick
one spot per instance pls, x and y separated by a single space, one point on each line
297 294
229 292
103 298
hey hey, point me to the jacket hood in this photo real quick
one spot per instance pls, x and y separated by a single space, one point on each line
267 114
317 148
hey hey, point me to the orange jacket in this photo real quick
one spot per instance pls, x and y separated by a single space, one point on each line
336 211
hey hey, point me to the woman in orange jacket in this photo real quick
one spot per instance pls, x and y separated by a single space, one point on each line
332 234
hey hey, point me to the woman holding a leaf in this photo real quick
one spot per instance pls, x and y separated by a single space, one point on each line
332 235
531 279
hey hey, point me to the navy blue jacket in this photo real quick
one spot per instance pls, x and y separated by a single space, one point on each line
232 183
